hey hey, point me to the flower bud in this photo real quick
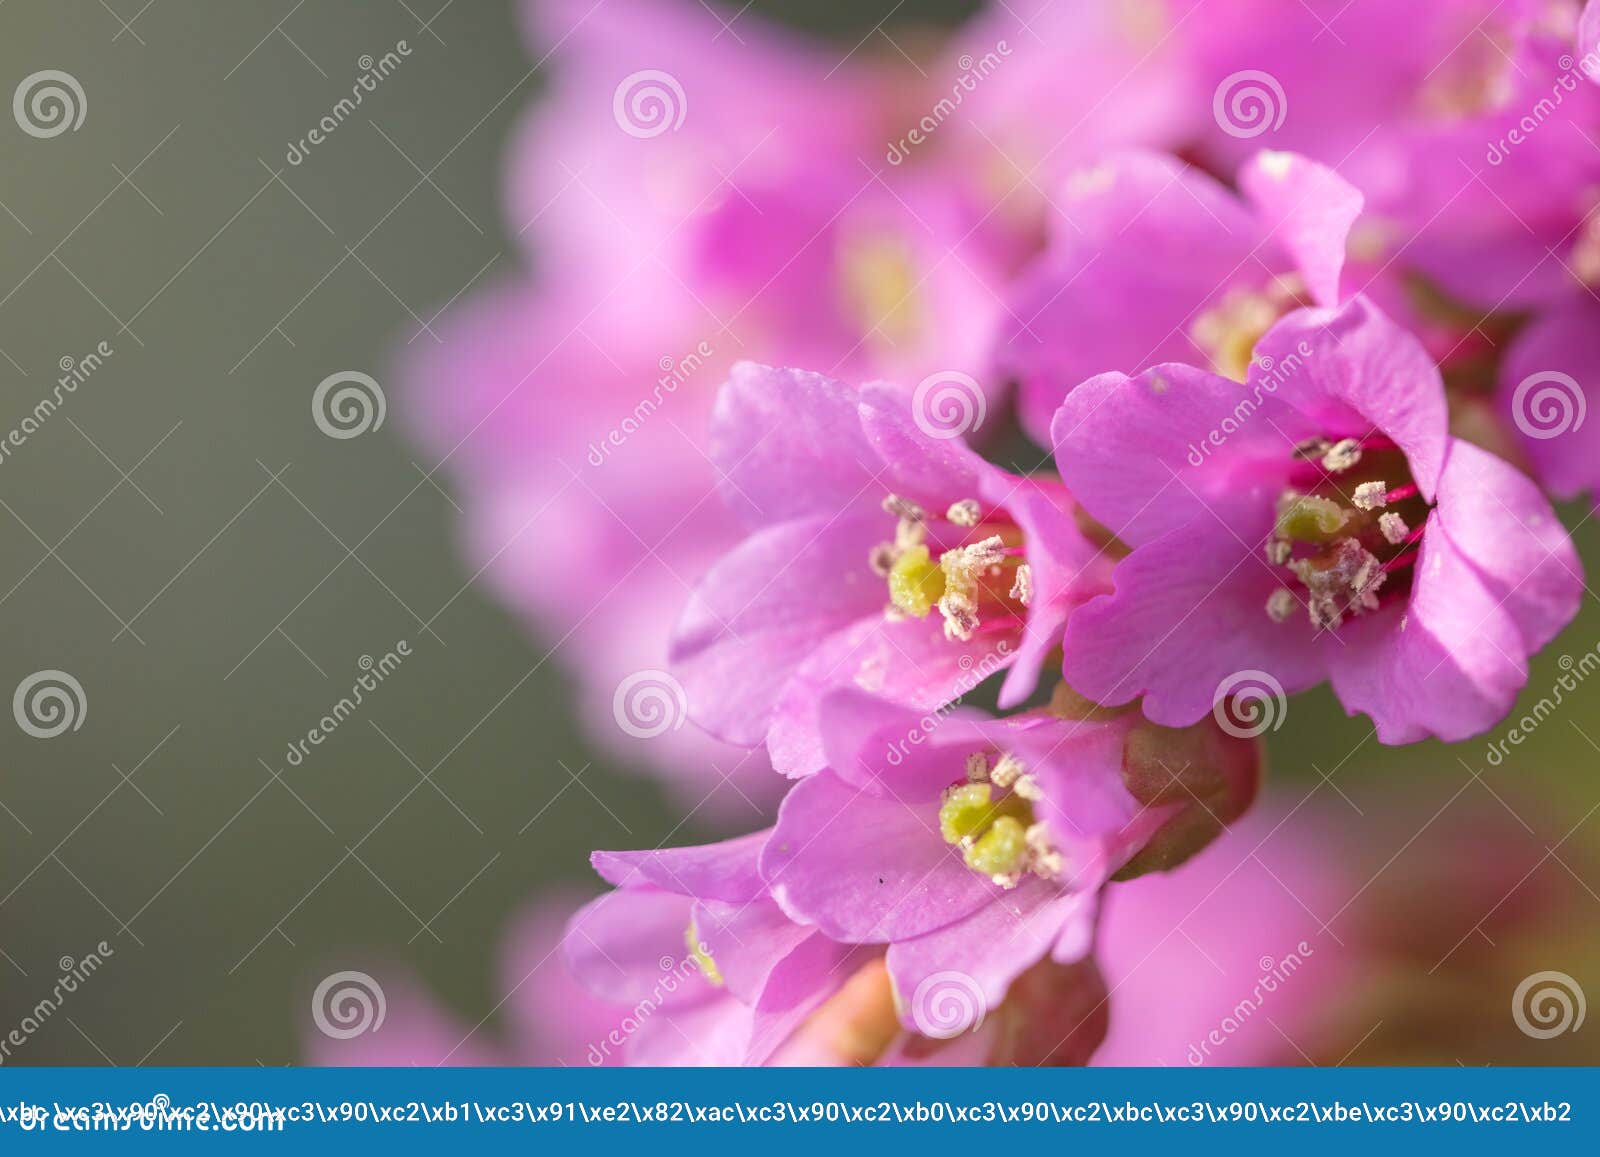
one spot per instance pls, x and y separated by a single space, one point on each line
1213 776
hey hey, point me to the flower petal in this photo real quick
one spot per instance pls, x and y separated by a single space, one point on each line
723 871
758 613
1504 526
1355 372
933 471
1559 437
1188 612
985 952
866 870
788 444
1150 242
908 662
1147 454
1447 664
624 945
1066 568
1308 209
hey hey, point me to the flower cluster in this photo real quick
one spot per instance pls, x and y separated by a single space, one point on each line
1191 346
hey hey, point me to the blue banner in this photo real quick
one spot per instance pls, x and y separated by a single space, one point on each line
501 1110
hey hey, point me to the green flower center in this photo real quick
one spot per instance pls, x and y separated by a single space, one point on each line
991 819
982 574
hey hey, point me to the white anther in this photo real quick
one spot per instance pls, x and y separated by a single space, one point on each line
1394 528
1027 788
1022 584
967 512
1341 456
1281 604
1007 771
903 508
1043 859
1371 495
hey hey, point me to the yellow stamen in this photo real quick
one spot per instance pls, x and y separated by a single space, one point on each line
916 582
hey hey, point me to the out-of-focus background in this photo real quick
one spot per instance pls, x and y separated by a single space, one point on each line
179 536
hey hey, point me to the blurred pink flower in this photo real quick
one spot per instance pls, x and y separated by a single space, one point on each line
543 1018
690 195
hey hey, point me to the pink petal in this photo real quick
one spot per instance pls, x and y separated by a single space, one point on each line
1147 454
1188 612
1308 209
1150 242
1351 371
722 871
954 977
866 870
909 662
1448 663
789 444
761 610
1557 355
1501 523
623 945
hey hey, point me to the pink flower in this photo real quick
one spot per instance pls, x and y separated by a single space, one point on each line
705 969
1319 523
1468 124
571 409
978 846
580 514
737 179
1151 261
714 972
880 555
